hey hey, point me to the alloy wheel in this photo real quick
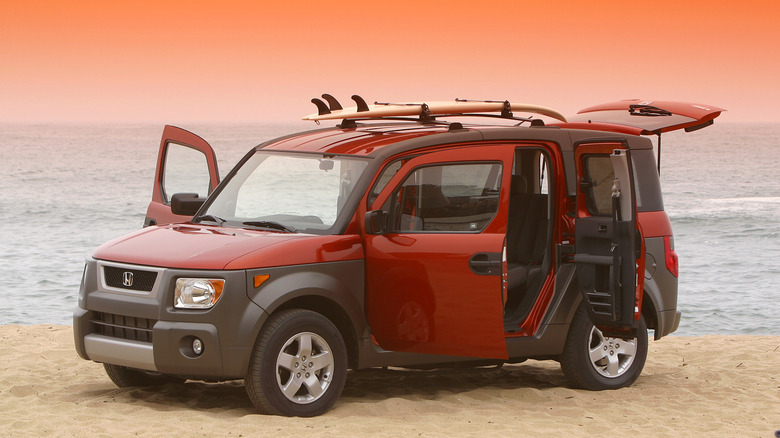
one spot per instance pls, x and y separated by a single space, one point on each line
304 368
611 357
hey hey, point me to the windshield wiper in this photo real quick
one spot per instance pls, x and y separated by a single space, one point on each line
270 224
647 110
207 217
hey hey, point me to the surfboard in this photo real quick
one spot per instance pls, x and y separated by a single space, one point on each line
449 107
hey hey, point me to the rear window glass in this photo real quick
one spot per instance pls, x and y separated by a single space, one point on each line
600 177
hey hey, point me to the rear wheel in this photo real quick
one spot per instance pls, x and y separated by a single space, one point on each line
124 377
594 361
298 366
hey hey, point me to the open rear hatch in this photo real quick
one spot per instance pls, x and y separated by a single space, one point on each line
644 117
647 117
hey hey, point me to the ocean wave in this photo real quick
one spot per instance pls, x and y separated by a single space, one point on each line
749 199
769 208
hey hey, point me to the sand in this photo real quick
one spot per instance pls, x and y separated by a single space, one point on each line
691 386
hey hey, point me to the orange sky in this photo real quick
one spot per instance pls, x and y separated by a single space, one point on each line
245 61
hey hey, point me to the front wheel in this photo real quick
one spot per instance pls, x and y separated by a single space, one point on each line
298 366
595 362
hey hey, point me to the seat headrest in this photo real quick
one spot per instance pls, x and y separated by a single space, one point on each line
519 184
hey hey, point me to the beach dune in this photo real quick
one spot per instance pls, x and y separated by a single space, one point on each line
691 386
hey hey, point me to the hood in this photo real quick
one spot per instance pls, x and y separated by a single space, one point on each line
189 246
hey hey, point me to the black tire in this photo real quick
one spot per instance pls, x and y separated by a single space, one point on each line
300 351
124 377
615 363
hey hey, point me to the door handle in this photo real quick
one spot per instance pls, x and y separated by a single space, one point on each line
486 263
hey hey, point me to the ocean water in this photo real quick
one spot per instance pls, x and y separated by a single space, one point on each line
68 188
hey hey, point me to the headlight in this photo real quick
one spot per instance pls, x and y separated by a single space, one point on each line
197 293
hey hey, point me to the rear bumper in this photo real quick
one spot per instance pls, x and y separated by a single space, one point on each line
677 316
668 322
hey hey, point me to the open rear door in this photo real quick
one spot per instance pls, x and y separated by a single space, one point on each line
185 164
607 241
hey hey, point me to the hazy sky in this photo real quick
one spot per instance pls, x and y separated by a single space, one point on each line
248 61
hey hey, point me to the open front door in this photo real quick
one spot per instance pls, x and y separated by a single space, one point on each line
434 259
608 243
186 164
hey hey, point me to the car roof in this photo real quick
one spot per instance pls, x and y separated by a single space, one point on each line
393 128
361 140
384 139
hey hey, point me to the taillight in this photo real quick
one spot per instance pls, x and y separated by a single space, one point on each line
672 264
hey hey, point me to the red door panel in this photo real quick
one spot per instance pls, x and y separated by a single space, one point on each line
185 163
432 291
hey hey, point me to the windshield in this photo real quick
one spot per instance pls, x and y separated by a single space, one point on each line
285 192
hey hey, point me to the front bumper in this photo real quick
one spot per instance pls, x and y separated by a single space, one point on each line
170 352
143 331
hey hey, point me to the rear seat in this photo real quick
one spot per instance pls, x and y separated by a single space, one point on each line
526 235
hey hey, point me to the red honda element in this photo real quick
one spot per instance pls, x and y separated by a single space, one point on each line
387 242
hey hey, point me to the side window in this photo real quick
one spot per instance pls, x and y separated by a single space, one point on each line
543 182
600 176
446 198
387 174
185 171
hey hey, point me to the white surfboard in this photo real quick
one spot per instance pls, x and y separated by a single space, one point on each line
452 107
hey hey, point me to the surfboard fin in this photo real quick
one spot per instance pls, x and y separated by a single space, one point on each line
322 107
361 103
332 102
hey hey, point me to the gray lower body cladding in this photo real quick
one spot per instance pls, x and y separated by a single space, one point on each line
143 330
661 288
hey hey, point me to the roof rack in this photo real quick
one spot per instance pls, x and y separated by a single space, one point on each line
426 112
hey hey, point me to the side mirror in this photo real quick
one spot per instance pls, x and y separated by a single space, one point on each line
376 222
186 204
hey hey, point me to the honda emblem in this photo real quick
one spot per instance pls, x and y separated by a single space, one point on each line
127 279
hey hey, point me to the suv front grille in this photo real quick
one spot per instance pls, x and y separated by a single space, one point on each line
130 279
123 327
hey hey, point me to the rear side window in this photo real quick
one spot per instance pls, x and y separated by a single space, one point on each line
446 198
648 186
600 176
599 179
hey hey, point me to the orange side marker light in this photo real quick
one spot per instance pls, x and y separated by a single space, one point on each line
260 279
